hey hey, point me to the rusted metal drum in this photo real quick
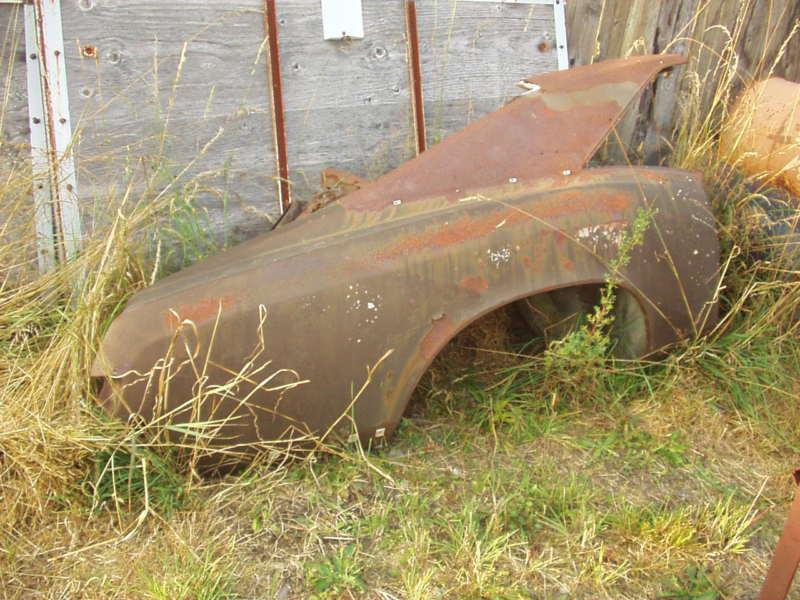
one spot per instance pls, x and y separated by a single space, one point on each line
762 136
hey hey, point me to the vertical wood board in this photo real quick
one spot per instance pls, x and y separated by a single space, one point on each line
700 29
14 129
347 102
473 54
154 82
151 84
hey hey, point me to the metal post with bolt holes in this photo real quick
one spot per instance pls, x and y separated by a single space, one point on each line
58 222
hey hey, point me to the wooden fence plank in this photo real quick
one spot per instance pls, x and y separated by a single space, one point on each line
673 26
14 129
473 54
347 102
17 218
152 83
584 19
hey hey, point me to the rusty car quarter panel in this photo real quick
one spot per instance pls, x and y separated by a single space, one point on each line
500 211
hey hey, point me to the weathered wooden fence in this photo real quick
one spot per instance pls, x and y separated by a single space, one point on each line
761 31
159 89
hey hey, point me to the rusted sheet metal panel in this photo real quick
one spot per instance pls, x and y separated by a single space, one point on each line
553 129
338 301
366 275
762 134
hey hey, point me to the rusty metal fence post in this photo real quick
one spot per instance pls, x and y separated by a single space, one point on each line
787 554
276 102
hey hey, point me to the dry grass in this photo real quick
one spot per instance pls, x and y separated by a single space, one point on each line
670 480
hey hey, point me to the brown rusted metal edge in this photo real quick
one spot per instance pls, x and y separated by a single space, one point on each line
276 90
547 132
786 559
415 74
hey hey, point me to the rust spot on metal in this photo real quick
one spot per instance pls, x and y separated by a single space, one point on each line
200 311
440 333
572 114
464 229
89 51
475 284
528 262
335 185
468 228
572 202
344 180
638 68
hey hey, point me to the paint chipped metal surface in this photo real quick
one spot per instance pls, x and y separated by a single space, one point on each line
762 135
501 211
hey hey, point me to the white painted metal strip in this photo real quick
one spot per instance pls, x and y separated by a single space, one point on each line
342 19
43 27
42 196
560 14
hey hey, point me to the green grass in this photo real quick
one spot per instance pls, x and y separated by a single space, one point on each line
190 577
693 584
336 573
634 497
129 477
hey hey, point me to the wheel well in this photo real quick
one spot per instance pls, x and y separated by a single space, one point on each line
496 338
